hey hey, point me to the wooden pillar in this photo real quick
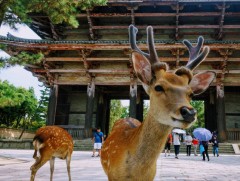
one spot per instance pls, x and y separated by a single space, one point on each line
101 112
220 109
52 105
89 109
133 99
106 122
210 110
139 113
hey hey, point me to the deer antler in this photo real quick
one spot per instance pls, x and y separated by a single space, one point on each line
194 57
152 56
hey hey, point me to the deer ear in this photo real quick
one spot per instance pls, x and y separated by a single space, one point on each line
201 82
142 68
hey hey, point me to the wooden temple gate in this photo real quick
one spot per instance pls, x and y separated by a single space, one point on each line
88 66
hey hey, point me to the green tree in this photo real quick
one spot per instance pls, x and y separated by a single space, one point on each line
125 112
39 118
116 111
17 104
20 108
21 58
61 11
199 106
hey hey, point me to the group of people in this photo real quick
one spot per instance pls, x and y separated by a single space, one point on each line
175 139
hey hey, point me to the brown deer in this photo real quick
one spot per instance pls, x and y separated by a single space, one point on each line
131 150
51 142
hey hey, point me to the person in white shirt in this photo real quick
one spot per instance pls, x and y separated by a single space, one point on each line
188 141
176 143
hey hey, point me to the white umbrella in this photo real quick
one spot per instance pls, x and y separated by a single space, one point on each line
179 131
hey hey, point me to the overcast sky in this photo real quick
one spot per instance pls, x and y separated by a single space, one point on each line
17 75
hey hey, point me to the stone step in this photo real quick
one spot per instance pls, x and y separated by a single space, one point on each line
83 145
86 145
225 148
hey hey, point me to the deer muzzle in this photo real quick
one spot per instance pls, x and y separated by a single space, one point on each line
188 114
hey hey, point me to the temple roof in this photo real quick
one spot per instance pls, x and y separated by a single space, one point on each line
99 48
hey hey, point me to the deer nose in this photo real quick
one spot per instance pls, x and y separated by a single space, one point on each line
188 114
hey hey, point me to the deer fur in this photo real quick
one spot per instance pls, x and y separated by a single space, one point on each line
131 150
50 142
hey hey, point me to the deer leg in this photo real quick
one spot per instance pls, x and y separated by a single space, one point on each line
40 161
51 161
38 164
35 154
68 160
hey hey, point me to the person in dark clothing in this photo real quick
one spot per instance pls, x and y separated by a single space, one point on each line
215 145
176 143
214 133
205 153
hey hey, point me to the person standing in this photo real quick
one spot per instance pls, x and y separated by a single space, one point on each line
98 139
188 141
195 145
205 152
168 145
215 145
214 133
176 143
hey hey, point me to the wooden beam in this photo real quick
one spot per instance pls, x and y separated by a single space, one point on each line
103 46
123 59
117 72
95 71
88 59
64 59
123 83
57 82
169 27
67 70
191 14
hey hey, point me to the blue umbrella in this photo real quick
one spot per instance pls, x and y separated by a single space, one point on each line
202 134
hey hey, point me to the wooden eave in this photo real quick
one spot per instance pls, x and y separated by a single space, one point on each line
62 70
78 56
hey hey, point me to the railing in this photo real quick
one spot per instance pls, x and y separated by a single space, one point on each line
233 134
77 132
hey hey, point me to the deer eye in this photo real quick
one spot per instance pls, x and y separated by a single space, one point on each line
159 88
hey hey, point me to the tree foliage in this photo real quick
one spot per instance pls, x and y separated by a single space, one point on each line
200 123
116 112
22 58
39 118
20 108
17 104
61 11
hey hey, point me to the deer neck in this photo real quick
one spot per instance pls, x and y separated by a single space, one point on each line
152 139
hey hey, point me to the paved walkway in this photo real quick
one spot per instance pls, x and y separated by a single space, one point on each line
15 164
